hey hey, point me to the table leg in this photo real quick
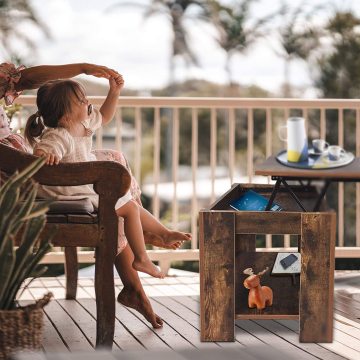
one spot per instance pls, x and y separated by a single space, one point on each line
297 200
321 195
217 263
316 297
273 194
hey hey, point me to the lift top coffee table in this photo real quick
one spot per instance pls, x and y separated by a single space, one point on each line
227 247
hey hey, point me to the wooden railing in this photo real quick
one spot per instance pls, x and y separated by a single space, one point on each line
238 132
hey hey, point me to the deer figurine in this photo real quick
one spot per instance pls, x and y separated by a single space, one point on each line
259 296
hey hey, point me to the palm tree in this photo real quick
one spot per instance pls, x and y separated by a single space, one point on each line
12 14
297 41
177 11
236 32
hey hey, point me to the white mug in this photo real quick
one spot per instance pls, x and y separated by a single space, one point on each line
319 145
335 152
297 142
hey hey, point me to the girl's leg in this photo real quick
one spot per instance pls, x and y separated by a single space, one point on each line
134 234
151 238
133 294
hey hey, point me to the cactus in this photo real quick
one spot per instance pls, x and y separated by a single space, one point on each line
19 212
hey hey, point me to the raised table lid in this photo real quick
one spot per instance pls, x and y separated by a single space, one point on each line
271 167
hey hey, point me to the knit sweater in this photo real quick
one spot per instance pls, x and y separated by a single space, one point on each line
69 149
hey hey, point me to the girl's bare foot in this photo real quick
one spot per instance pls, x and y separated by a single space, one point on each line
173 236
147 266
170 240
157 240
138 301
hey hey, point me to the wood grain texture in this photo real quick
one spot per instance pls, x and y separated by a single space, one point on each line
267 222
217 240
317 277
244 243
104 269
71 271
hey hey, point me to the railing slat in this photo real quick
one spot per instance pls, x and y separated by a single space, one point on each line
137 165
175 165
250 144
287 236
322 124
156 177
213 144
341 184
194 166
232 131
268 137
357 224
305 115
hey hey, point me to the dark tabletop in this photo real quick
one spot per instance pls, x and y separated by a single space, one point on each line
271 167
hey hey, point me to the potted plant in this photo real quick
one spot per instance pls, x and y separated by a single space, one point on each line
21 217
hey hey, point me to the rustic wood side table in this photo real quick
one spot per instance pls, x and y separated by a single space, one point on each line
227 247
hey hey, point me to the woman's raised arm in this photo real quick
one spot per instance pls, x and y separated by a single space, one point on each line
33 77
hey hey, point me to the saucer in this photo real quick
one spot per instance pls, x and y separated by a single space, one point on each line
312 152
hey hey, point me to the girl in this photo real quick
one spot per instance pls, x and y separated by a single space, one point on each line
71 121
14 80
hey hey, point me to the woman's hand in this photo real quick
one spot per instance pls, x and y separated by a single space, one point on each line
100 71
51 159
116 84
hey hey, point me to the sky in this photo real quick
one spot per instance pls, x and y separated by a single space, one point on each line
119 37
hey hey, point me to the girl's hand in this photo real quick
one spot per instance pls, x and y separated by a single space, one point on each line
100 71
51 159
116 83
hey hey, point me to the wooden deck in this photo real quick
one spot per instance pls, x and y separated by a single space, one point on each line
70 324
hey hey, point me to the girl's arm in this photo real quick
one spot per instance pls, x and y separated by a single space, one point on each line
54 145
108 108
34 77
50 159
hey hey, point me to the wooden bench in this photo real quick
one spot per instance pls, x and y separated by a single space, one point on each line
99 230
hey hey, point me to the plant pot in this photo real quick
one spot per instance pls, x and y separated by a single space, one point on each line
22 328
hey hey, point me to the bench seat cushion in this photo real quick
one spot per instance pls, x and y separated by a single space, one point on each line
72 211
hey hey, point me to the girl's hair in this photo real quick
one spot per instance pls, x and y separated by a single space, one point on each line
54 100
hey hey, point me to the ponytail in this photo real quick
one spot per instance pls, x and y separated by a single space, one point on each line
34 128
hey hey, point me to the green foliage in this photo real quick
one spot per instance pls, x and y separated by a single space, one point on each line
20 213
237 28
339 68
10 110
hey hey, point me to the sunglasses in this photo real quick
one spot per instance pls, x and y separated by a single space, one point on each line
90 109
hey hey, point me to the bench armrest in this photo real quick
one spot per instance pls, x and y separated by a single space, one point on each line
109 178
